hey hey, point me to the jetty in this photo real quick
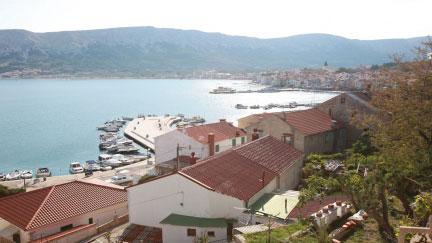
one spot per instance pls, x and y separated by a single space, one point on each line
143 130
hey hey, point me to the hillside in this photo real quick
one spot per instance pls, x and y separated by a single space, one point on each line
140 51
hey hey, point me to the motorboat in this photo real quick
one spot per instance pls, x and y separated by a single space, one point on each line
92 165
223 90
113 163
126 118
15 175
112 149
124 141
240 106
2 177
127 149
104 157
118 156
75 167
139 157
43 172
254 106
106 145
26 174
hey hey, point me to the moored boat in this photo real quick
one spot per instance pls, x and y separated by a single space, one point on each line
75 167
26 174
240 106
43 172
15 175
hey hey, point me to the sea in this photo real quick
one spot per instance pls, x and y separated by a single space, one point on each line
50 123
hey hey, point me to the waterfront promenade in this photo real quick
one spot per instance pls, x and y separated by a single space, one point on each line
144 130
137 170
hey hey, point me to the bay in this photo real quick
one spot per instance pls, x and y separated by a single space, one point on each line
53 122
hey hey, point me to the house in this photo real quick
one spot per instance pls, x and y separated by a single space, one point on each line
203 140
310 131
68 212
349 108
208 197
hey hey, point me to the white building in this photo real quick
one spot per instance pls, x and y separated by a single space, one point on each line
203 140
68 212
207 198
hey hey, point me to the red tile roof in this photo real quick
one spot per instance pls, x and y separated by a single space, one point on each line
222 130
314 206
309 122
48 205
238 172
271 153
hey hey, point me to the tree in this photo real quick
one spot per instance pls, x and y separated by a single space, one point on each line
4 191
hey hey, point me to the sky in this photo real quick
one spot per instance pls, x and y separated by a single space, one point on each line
360 19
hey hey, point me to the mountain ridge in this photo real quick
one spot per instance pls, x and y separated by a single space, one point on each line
139 51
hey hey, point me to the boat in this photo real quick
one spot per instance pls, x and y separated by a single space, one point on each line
124 141
26 174
254 106
15 175
118 156
139 157
127 149
240 106
293 104
106 145
112 149
223 90
92 165
2 177
127 118
43 172
75 168
104 157
113 163
196 119
111 128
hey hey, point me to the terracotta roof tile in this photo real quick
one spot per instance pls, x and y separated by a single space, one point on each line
52 204
310 121
221 130
238 172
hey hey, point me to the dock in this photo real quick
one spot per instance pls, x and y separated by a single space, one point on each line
143 130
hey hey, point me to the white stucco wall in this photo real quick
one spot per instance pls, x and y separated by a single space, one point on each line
290 177
166 146
151 202
178 234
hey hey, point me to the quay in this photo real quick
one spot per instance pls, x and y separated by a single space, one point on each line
137 170
143 130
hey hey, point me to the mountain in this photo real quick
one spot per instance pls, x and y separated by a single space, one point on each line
137 51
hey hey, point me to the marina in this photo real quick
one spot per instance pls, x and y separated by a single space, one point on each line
65 130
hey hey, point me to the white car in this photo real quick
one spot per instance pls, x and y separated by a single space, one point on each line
120 179
75 167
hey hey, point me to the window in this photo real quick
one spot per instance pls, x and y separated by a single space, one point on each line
243 140
90 220
191 232
66 227
217 148
233 142
342 100
211 234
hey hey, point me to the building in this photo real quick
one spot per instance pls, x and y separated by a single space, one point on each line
349 108
203 140
209 197
310 131
68 212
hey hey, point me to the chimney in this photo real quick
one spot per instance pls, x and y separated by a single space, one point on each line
255 134
222 120
211 143
192 160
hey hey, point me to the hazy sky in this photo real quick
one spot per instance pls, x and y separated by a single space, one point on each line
361 19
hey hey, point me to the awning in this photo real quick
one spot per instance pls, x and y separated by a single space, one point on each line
182 220
274 204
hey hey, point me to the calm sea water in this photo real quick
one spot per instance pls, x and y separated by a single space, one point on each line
53 122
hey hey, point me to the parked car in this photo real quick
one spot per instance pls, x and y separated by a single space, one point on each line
120 179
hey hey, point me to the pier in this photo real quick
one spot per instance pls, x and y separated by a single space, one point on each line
143 130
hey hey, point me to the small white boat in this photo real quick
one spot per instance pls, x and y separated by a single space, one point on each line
223 90
113 163
127 161
26 174
75 167
92 165
16 175
43 172
104 157
118 156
